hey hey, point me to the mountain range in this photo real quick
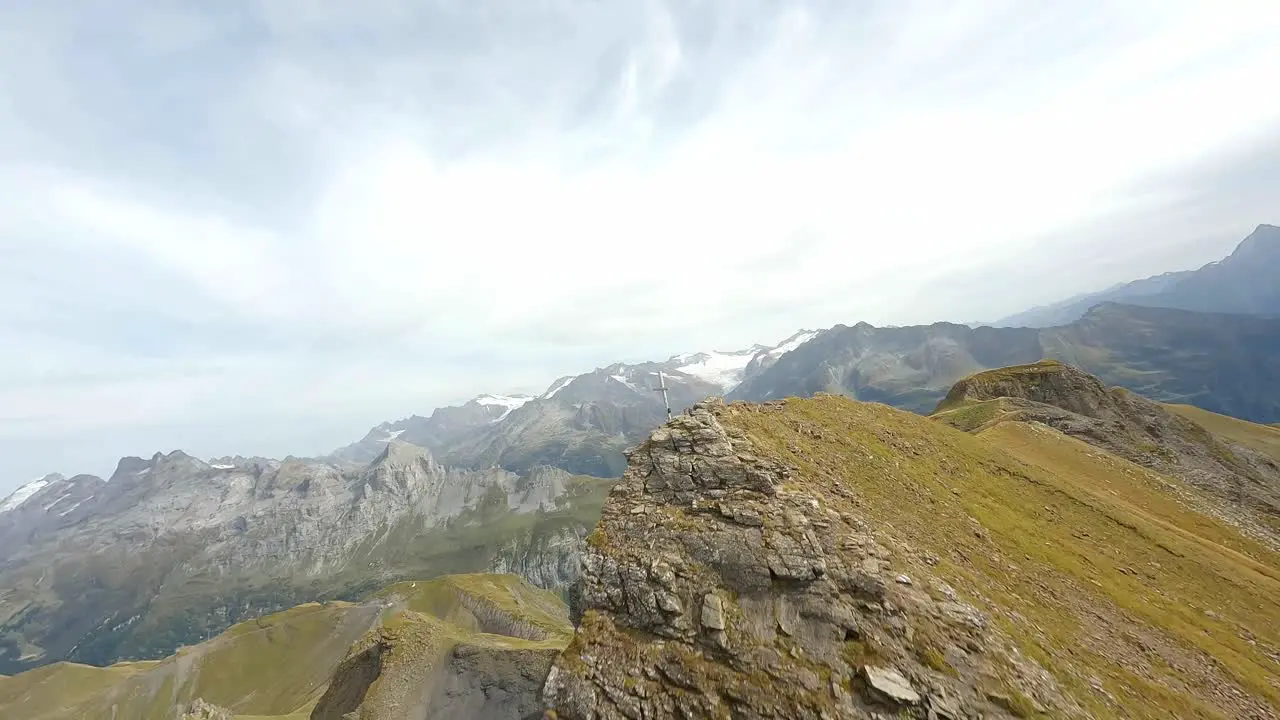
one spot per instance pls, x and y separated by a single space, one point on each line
1041 545
1243 282
172 550
1219 353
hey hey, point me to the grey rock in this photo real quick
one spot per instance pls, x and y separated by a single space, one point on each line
890 684
712 612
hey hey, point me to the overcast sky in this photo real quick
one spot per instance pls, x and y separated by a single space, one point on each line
261 227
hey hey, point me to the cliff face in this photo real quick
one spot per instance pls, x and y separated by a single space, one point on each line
825 558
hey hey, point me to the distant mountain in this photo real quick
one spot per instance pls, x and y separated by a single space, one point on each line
173 549
581 423
1225 363
1243 282
443 428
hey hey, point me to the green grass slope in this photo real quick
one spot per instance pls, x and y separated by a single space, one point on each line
280 666
1139 606
274 666
1262 438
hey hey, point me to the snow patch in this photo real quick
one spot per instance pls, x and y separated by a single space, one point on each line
392 435
61 497
223 467
794 342
507 402
20 495
723 369
623 379
560 385
71 509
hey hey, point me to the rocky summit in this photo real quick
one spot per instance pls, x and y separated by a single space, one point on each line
825 558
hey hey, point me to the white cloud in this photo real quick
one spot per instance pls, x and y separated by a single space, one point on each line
357 204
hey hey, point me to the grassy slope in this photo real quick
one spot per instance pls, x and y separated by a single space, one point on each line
424 622
278 666
1082 556
1263 438
189 611
295 651
443 598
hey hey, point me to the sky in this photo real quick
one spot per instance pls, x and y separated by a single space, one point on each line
263 226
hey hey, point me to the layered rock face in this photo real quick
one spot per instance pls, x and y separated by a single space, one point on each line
717 585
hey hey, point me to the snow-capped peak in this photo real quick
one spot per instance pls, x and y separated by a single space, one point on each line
557 386
506 402
726 368
794 342
22 494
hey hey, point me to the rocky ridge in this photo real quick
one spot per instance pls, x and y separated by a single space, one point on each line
715 586
825 558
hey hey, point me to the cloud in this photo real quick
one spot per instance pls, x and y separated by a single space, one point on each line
264 225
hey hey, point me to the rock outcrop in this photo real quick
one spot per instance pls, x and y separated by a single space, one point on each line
825 558
718 585
1238 484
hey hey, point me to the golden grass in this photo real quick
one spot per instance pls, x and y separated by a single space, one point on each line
443 598
1262 438
1081 556
277 667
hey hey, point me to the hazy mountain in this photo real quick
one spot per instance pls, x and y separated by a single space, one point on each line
1243 282
172 549
441 429
1224 363
581 423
